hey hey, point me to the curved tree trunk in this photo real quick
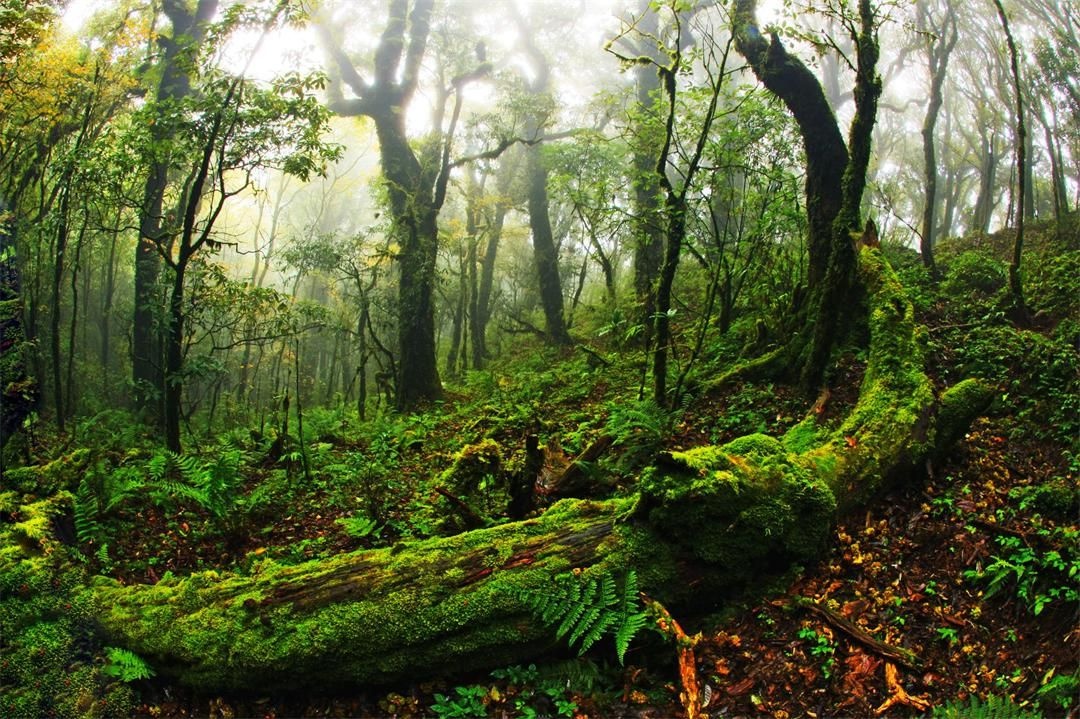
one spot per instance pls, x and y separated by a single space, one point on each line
705 523
835 172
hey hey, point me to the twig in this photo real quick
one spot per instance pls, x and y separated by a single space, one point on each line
897 693
690 696
472 519
895 654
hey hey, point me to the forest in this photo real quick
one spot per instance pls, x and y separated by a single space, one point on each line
539 358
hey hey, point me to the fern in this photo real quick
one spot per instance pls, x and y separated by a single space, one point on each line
585 610
994 707
635 618
213 486
220 481
359 527
125 665
638 430
87 512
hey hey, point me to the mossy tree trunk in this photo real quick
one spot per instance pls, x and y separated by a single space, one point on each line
705 523
835 172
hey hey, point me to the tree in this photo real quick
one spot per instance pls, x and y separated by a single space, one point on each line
1016 286
416 184
178 62
219 136
545 253
941 39
835 172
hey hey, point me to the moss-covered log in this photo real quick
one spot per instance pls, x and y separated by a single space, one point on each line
704 521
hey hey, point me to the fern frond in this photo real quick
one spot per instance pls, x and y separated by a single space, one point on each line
158 467
586 610
87 513
627 630
596 629
578 610
126 665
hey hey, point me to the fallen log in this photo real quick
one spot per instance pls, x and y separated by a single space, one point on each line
704 523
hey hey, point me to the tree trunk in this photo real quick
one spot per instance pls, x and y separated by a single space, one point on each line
174 359
939 50
649 233
18 391
984 202
188 28
704 524
1016 286
545 256
507 170
458 323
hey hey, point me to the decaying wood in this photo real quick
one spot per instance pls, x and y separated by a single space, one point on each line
471 518
574 480
690 696
897 693
523 483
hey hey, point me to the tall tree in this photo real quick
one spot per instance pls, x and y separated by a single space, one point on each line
545 253
835 173
649 237
1016 285
675 169
179 54
416 184
941 37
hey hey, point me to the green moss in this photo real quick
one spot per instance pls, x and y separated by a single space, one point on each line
755 445
442 604
46 627
804 436
958 406
21 479
738 514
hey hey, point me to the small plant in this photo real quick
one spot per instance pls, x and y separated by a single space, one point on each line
470 701
584 610
359 527
1037 577
948 635
1058 691
125 665
214 486
993 707
821 646
534 688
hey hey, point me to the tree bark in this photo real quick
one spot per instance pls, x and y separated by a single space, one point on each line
835 179
545 255
703 524
649 233
417 189
545 252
